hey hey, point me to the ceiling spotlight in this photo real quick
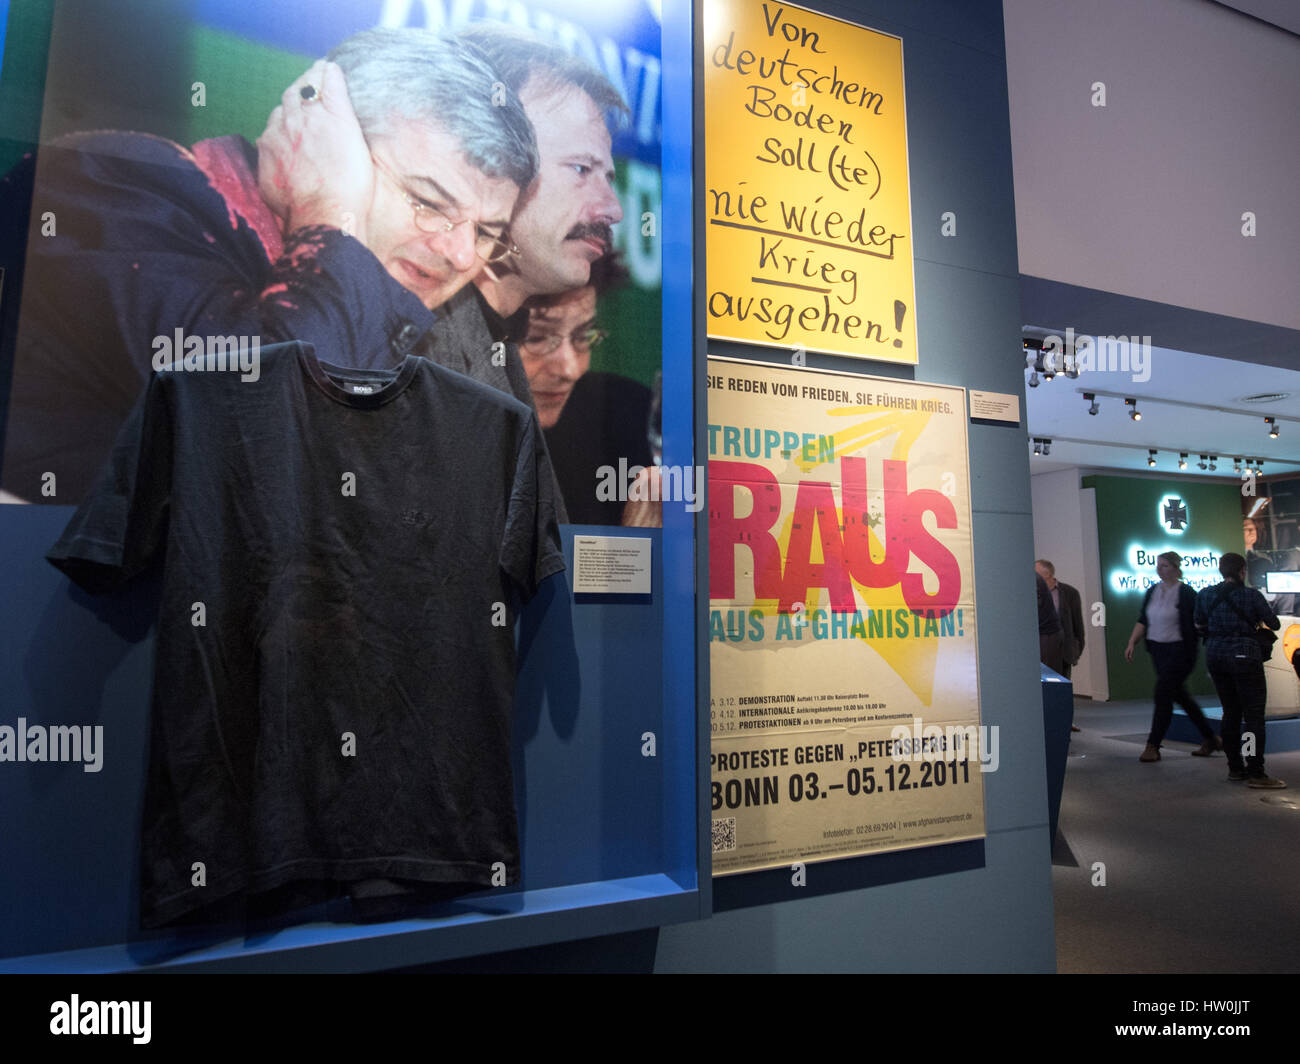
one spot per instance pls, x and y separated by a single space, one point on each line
1092 401
1151 459
1272 426
1182 460
1033 379
1213 458
1047 448
1259 466
1201 464
1038 446
1236 465
1133 411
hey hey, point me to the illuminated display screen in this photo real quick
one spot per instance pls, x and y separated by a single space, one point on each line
1282 583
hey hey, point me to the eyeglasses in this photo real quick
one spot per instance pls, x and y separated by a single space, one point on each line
488 246
583 340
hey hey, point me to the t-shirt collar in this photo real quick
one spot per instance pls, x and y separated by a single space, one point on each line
363 389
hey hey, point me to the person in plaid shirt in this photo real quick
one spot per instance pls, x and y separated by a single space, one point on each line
1227 615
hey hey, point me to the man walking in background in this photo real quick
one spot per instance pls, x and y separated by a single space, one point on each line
1069 608
1050 643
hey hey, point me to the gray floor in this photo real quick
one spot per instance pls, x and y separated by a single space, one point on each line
1201 875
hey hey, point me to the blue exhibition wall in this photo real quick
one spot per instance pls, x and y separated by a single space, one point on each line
590 805
970 906
606 733
982 906
4 22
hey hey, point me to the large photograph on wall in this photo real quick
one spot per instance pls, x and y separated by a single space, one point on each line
1271 534
335 319
207 186
844 683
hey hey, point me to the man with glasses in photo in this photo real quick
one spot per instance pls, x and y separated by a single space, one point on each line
562 222
381 186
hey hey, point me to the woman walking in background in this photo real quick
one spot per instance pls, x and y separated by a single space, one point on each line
1167 621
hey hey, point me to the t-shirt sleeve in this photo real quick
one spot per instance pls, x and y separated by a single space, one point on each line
530 547
122 524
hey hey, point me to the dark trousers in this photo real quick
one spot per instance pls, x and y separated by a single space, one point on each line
1173 665
1051 650
1243 692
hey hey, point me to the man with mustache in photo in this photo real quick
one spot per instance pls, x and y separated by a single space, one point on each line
561 224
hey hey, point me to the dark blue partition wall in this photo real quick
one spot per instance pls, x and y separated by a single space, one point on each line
613 840
606 740
591 806
971 906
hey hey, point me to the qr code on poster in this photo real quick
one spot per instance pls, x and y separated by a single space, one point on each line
724 834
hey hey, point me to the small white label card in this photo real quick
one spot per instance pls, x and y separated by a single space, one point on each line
611 565
995 406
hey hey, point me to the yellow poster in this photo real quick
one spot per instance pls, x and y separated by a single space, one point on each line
809 217
844 690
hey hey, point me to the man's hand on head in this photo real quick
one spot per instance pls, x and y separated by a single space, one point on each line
313 165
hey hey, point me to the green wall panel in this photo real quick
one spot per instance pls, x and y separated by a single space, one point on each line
1131 531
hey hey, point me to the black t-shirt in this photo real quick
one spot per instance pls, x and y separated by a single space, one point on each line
343 552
